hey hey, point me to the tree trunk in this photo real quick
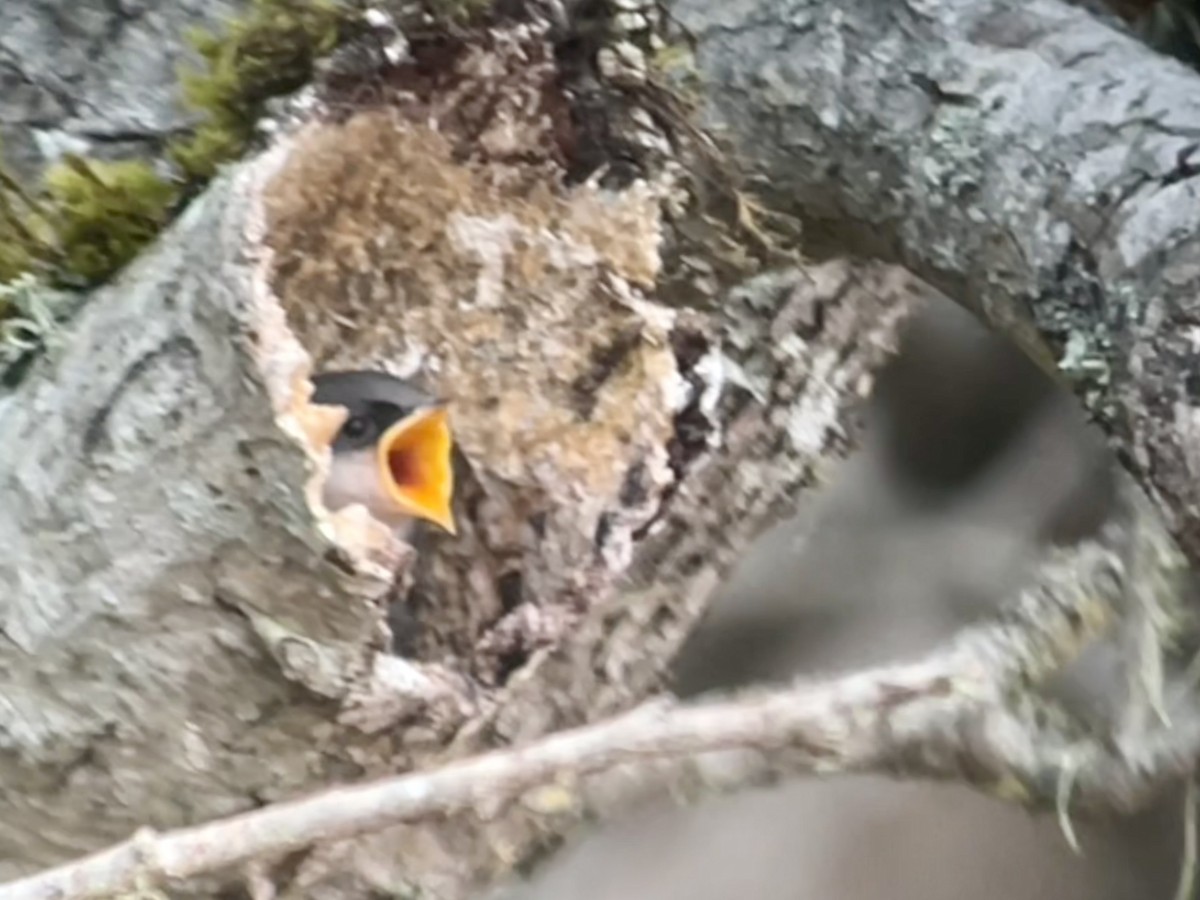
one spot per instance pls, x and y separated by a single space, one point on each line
1028 159
189 633
95 76
640 382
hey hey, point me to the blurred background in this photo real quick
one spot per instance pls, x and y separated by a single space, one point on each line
973 461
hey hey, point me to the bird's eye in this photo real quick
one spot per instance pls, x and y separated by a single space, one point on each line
356 427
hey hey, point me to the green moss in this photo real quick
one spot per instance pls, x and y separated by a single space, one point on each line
103 213
459 12
89 218
24 238
14 256
675 59
270 51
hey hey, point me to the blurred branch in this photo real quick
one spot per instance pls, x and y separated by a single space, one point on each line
1033 162
963 713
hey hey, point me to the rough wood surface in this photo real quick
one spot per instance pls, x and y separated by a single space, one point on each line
157 546
95 77
188 634
637 393
1027 158
950 715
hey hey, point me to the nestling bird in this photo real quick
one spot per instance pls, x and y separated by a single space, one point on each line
392 454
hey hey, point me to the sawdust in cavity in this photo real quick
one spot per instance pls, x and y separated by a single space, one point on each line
386 249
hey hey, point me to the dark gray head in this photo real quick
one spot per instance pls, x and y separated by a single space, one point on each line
392 454
375 400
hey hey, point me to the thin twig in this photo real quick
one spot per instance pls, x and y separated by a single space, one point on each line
869 721
950 716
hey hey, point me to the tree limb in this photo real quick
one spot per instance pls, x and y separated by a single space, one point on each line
952 715
636 392
189 634
1028 159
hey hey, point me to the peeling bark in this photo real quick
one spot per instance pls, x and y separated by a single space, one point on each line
949 716
158 546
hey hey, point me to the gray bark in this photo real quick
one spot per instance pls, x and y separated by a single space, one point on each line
156 544
1028 159
95 77
187 631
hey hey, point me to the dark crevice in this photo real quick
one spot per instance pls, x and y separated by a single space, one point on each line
223 602
130 135
603 531
605 362
96 432
940 94
633 488
511 589
508 662
691 426
594 106
1185 166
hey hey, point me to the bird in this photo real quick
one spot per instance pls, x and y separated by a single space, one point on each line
392 453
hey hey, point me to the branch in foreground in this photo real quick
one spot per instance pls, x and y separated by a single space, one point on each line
950 716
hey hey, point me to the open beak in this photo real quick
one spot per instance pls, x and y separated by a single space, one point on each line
415 467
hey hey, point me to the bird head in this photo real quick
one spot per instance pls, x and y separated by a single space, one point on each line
392 453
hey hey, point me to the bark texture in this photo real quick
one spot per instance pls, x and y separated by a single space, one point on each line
943 717
636 393
188 633
94 77
157 547
1029 159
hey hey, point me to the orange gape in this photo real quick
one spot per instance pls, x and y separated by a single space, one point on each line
415 464
392 451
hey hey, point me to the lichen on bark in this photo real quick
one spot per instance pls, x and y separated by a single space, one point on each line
490 211
1031 161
